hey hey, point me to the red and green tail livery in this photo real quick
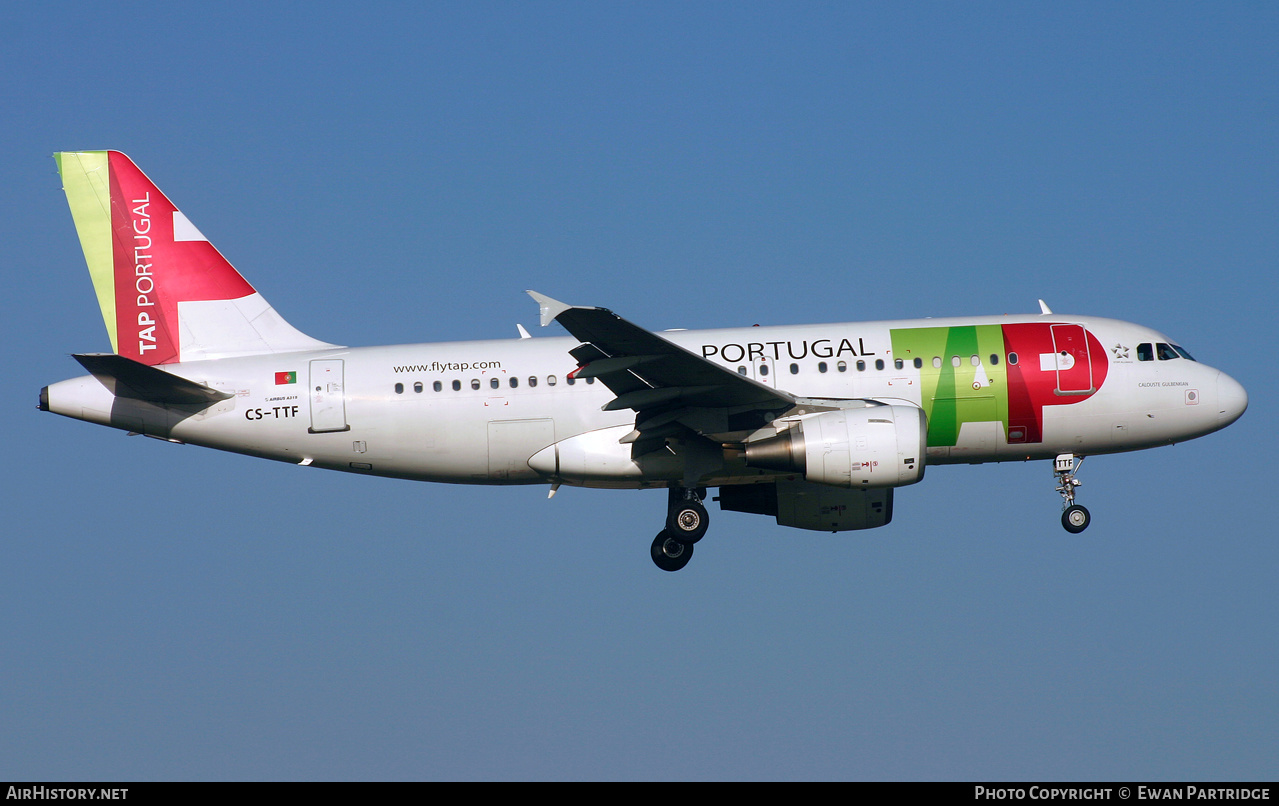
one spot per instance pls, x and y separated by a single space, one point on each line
166 294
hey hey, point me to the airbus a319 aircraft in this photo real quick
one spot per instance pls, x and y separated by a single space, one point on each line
814 425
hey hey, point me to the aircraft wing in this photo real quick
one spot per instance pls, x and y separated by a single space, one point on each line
667 386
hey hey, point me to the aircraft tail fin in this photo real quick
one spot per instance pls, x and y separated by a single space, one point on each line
166 294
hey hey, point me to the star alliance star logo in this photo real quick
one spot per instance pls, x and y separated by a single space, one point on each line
1120 351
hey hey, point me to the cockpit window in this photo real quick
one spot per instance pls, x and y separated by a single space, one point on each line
1182 352
1145 352
1165 352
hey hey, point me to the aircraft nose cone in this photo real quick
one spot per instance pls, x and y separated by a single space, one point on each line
1232 399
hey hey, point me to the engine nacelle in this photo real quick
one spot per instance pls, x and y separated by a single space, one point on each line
879 446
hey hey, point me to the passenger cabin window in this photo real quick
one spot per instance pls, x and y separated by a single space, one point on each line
879 363
1145 352
532 380
842 366
994 359
861 366
437 386
417 387
515 382
794 369
821 366
1012 358
919 362
741 370
457 386
399 388
494 383
898 363
936 362
550 380
475 383
763 369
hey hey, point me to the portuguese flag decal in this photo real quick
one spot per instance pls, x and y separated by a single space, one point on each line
285 377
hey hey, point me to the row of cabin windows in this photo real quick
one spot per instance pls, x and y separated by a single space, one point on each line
1145 352
494 383
898 363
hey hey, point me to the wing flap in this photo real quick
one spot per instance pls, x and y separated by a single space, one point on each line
612 366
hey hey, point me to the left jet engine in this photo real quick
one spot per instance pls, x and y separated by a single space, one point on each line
878 446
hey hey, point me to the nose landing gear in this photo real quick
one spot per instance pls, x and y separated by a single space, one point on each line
686 523
1074 517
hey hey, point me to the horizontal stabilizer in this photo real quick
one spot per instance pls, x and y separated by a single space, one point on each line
124 377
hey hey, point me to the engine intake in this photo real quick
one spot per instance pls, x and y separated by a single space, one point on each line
881 446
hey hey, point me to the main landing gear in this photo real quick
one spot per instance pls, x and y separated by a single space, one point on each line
686 522
1074 517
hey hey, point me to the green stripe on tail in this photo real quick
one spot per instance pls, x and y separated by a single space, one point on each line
87 182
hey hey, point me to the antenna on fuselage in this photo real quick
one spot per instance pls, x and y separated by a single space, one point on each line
1043 307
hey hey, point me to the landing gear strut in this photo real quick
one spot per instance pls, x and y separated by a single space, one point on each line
686 522
1074 517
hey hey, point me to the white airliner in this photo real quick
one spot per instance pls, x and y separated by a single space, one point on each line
814 425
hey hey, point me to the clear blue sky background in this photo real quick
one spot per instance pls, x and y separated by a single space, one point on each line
400 173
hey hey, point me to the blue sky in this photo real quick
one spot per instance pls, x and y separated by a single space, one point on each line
401 172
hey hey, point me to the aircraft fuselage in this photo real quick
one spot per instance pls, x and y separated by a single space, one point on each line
993 389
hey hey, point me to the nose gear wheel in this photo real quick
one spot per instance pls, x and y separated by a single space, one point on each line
1074 518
